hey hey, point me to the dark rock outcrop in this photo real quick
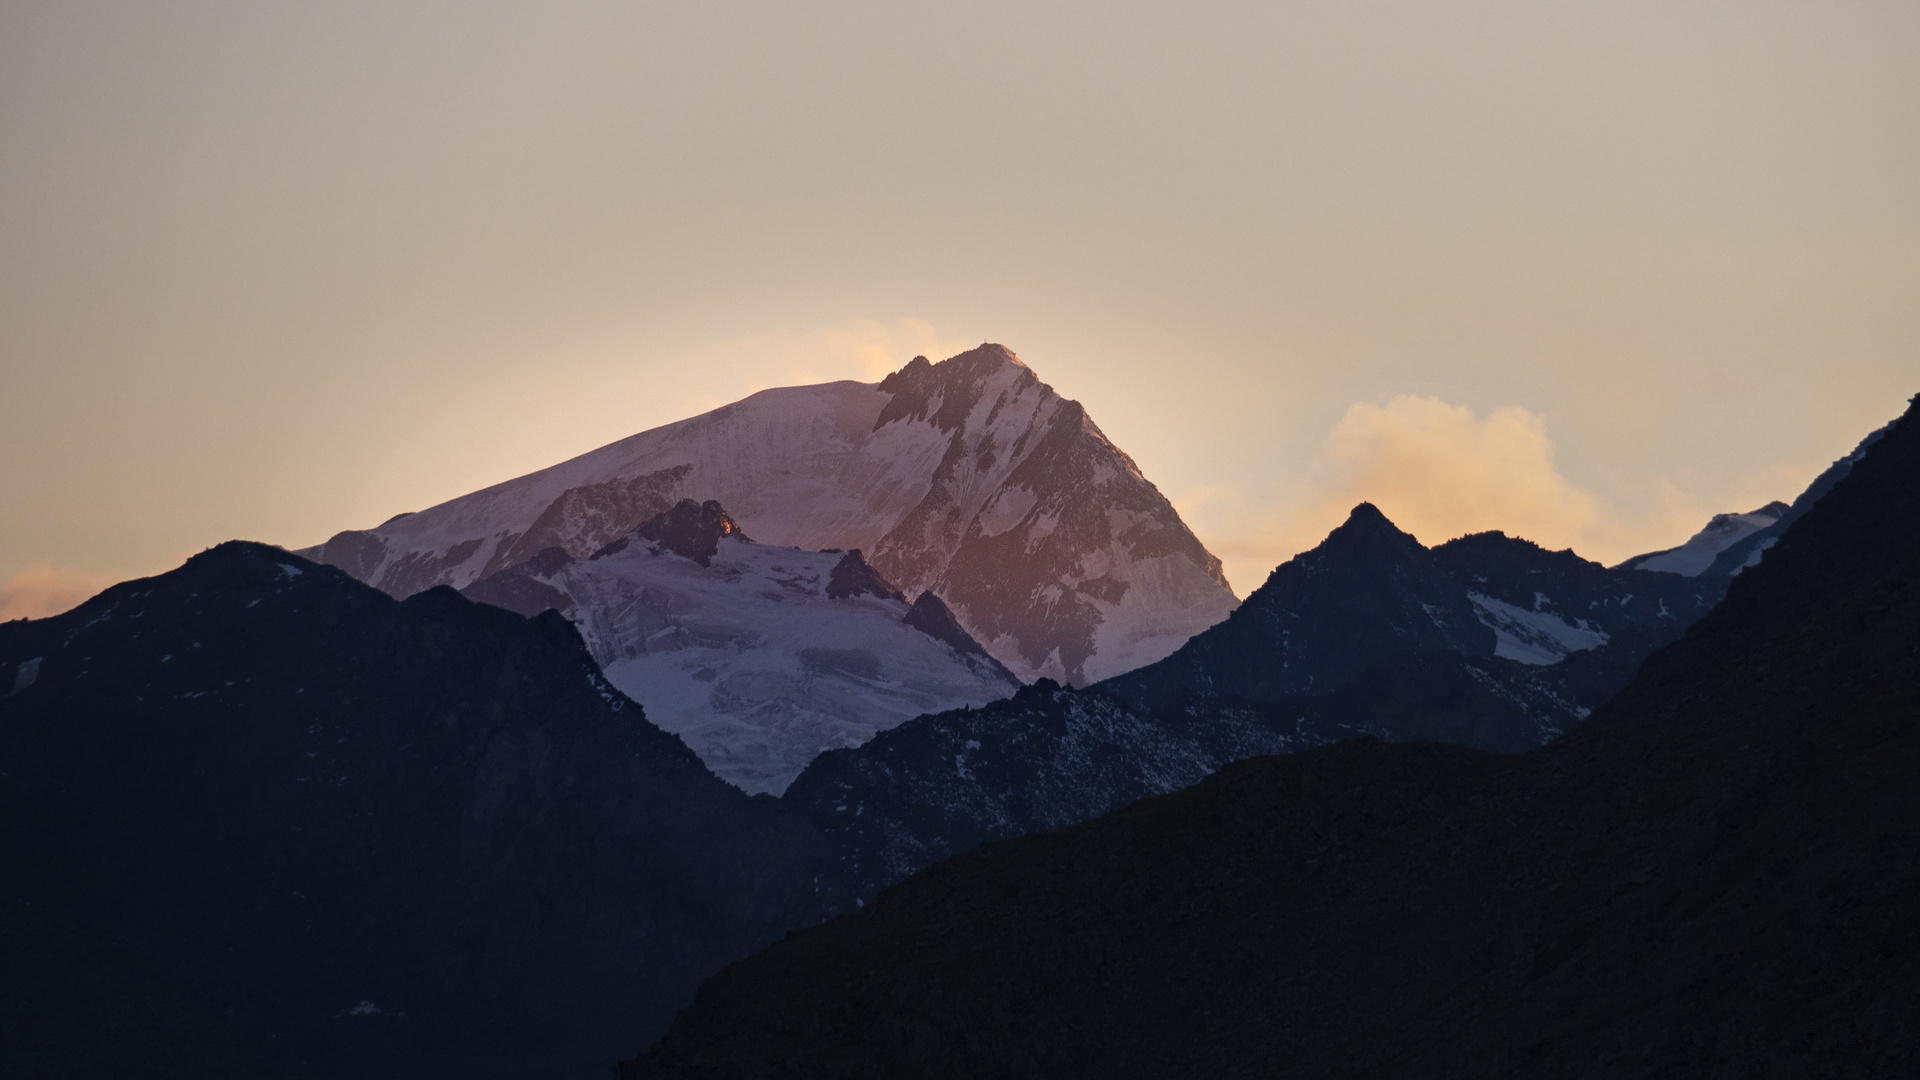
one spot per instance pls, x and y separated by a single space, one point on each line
853 577
691 530
930 616
583 519
521 589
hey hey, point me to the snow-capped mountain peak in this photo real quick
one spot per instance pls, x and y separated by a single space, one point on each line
969 477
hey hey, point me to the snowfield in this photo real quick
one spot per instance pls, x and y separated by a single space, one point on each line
751 662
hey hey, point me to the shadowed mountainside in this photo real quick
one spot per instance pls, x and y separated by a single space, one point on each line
258 819
1369 633
1715 876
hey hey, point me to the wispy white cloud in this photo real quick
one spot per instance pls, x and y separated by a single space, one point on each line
881 348
1440 471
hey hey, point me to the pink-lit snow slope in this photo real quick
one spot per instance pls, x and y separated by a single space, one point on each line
969 477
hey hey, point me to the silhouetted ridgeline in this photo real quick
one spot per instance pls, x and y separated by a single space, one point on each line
1715 876
1487 641
258 819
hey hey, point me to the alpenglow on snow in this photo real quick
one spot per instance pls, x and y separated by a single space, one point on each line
969 478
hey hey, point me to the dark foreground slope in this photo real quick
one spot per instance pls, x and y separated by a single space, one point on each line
260 820
1715 877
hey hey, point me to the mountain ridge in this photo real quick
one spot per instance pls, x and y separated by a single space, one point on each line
1714 877
262 819
970 478
1488 640
1731 543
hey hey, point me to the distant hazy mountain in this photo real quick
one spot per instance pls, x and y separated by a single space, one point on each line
760 657
1733 542
260 820
1692 558
969 478
1716 876
1487 641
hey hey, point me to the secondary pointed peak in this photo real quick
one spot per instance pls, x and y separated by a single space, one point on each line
1367 529
1368 516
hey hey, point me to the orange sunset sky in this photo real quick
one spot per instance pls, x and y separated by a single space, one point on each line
1585 272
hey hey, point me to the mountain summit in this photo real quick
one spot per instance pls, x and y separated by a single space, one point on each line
969 477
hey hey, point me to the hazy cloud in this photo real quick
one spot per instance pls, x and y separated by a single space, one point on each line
864 349
882 348
1440 471
40 591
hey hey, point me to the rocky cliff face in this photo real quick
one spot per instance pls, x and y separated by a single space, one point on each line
970 478
1044 537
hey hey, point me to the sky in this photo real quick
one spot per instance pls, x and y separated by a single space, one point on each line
1585 272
